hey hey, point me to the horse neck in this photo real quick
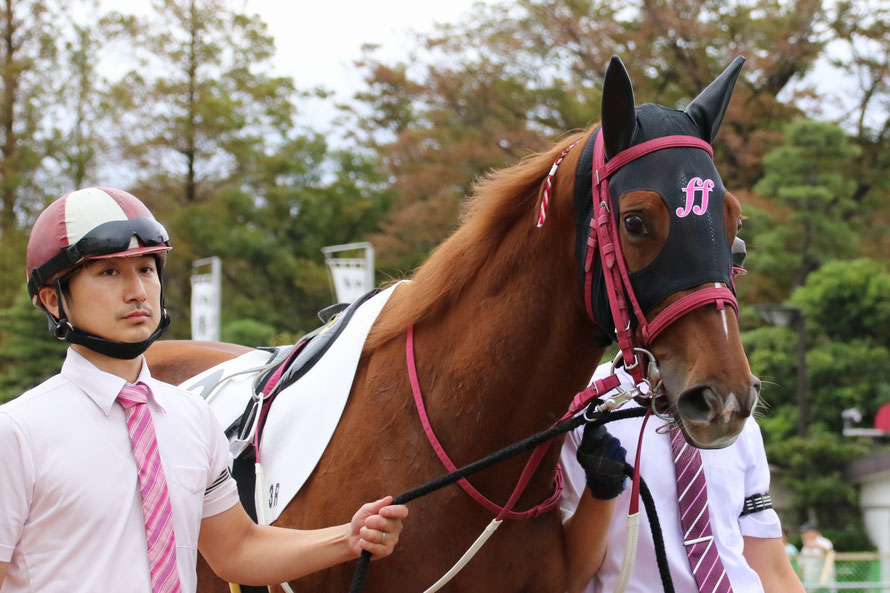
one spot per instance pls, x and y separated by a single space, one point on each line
504 359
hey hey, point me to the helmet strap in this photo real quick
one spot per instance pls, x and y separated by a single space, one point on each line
65 331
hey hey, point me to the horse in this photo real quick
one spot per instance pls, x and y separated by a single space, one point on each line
503 340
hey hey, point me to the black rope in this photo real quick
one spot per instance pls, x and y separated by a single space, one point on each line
531 442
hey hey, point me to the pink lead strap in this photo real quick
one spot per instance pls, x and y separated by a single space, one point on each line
504 512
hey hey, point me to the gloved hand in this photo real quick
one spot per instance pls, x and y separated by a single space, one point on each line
602 457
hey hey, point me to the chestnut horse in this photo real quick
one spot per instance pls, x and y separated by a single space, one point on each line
503 341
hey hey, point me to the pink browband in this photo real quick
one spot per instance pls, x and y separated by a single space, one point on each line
604 238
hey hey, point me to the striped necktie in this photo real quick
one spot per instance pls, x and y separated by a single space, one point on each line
698 539
153 487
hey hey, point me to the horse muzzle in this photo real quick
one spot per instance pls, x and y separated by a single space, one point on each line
711 418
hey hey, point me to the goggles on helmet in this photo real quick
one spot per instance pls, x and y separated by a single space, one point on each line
107 239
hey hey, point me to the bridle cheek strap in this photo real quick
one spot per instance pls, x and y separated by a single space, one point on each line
604 236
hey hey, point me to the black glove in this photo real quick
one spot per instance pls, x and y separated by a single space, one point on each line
602 457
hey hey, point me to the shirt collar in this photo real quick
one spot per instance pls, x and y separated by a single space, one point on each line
103 387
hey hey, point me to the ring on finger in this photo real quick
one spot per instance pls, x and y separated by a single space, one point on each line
383 539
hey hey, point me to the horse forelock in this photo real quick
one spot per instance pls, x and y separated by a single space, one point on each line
499 201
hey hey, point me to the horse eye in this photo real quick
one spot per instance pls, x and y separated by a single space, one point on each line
741 223
635 225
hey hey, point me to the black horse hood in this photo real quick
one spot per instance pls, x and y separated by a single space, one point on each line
697 249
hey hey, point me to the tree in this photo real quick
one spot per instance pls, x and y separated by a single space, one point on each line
808 180
848 364
81 100
202 98
208 132
28 75
512 76
268 227
29 354
862 38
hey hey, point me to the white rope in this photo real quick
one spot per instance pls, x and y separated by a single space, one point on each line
630 552
468 555
259 499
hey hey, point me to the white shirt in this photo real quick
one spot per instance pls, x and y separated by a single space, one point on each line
70 510
732 474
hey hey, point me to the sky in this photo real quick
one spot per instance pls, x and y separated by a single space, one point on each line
317 42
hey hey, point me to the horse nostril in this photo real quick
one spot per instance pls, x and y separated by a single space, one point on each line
699 404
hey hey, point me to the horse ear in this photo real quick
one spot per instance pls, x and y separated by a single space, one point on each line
619 119
707 110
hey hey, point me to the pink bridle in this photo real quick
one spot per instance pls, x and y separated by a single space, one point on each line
604 238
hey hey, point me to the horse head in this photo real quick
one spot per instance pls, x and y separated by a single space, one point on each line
656 193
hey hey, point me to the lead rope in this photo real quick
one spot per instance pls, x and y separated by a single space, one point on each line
514 449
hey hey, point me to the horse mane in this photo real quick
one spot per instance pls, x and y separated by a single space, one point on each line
497 202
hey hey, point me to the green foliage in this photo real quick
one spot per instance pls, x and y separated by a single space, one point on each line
29 354
29 48
269 228
848 365
809 178
248 332
848 300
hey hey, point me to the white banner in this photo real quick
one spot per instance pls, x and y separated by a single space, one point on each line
206 301
351 277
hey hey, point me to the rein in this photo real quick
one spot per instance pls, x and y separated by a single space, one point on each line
563 426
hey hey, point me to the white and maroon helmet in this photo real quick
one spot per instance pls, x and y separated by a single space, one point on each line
91 223
87 224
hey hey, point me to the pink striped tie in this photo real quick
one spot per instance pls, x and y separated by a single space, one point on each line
698 539
153 488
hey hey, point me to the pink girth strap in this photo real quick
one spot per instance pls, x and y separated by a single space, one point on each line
506 511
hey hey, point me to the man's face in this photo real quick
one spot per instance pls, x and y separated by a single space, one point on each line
116 298
809 536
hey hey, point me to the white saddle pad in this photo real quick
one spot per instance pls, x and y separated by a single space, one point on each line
304 416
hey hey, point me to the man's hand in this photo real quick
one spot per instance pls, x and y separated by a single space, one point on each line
602 457
376 528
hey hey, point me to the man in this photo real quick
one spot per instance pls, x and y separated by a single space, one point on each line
109 479
595 507
816 557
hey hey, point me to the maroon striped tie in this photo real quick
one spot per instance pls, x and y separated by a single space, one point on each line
156 508
698 539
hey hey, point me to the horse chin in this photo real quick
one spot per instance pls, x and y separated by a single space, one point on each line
711 435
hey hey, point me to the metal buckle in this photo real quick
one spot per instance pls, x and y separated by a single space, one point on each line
614 402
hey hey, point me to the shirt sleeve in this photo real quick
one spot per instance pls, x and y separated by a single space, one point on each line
765 523
221 493
17 479
574 480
